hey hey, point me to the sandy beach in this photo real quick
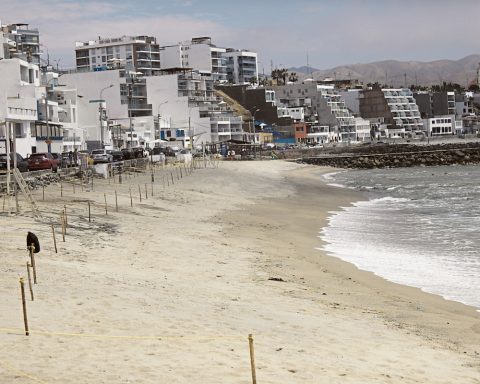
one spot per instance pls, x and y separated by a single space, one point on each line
167 291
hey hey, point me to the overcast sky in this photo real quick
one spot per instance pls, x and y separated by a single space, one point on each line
332 32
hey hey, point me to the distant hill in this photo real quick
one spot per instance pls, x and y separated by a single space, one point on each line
395 73
305 70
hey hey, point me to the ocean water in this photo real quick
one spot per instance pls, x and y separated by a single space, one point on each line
418 227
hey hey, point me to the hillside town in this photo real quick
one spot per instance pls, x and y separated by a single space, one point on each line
129 92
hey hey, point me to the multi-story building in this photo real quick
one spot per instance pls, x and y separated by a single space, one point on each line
20 41
199 54
443 125
435 104
196 115
19 105
133 53
397 108
323 105
116 95
242 66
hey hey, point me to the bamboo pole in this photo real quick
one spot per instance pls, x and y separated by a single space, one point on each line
32 261
62 221
30 280
252 359
24 306
54 239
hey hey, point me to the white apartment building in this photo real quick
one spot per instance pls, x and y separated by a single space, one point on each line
190 112
133 53
18 40
242 66
322 104
20 82
442 125
199 54
119 95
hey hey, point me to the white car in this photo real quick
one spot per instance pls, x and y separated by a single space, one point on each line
102 156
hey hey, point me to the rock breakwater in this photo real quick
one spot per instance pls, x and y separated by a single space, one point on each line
399 156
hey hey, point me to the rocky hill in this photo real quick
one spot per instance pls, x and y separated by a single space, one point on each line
397 73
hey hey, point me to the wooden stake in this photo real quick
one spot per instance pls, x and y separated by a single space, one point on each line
43 192
105 197
73 184
252 359
181 173
131 199
146 192
24 306
116 201
54 239
62 221
140 193
65 215
89 216
152 189
61 189
32 262
29 280
171 174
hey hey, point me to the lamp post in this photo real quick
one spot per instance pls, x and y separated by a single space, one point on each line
133 77
100 110
254 132
158 117
48 141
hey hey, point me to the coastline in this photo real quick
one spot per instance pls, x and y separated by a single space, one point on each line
197 264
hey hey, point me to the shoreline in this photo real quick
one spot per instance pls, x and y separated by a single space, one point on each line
193 265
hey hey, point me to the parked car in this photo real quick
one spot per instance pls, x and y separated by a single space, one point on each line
102 156
117 155
127 154
138 152
22 164
39 161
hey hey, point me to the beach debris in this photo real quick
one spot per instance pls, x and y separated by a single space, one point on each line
276 279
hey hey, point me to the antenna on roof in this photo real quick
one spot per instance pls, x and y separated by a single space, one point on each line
308 67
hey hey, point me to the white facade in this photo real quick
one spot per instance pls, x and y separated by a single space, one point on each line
404 110
242 66
194 114
441 125
362 129
19 82
134 53
198 54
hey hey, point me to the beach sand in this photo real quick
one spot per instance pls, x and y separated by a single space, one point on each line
168 291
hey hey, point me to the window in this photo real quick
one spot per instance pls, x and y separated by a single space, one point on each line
94 60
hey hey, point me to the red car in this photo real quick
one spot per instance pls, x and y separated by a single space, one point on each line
39 161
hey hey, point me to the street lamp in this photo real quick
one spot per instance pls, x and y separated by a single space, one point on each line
48 141
100 110
158 117
133 77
